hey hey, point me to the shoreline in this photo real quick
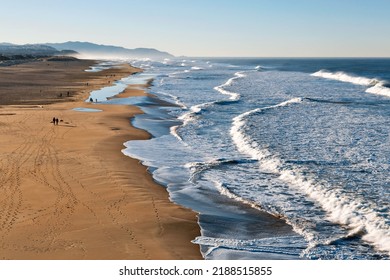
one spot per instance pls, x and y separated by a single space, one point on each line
231 226
69 192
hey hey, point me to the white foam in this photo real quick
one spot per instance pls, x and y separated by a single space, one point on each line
186 118
173 131
224 191
173 74
379 89
344 77
209 64
351 211
275 245
233 95
375 86
175 98
196 68
102 66
194 110
246 145
259 68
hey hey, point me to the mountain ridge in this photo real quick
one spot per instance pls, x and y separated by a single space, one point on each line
101 50
81 50
28 49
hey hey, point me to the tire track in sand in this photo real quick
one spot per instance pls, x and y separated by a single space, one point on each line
10 178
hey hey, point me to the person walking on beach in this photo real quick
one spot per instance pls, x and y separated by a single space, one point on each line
54 120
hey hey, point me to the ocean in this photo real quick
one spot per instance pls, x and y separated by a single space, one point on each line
280 158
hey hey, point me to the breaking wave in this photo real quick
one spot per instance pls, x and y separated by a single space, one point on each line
353 212
375 86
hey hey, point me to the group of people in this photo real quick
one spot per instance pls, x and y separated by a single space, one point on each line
55 121
67 94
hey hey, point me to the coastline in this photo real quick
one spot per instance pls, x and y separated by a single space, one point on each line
67 190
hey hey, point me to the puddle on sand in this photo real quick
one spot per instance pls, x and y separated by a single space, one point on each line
91 110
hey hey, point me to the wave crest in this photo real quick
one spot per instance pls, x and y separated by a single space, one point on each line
233 95
375 86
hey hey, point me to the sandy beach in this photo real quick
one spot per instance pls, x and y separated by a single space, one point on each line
66 190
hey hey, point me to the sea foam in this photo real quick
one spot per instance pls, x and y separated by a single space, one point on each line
232 95
342 208
195 110
375 86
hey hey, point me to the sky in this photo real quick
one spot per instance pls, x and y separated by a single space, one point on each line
207 28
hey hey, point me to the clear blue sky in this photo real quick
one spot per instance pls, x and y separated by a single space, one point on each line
258 28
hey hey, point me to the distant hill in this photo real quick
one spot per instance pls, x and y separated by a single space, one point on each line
11 54
31 50
10 51
106 51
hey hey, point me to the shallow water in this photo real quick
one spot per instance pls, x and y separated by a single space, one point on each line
103 94
87 110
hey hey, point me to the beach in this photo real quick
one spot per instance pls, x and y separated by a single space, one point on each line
66 190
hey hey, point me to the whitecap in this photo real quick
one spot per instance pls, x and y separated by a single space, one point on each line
351 211
375 86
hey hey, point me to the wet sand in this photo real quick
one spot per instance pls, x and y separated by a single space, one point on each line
67 191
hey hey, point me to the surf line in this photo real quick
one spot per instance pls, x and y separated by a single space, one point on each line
342 209
195 110
375 86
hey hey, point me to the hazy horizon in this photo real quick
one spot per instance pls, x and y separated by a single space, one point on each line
281 28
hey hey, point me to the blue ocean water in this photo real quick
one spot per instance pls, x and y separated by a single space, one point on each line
281 158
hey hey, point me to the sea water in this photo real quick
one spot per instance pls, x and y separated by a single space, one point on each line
281 158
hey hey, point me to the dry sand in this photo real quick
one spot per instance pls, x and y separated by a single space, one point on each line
67 191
